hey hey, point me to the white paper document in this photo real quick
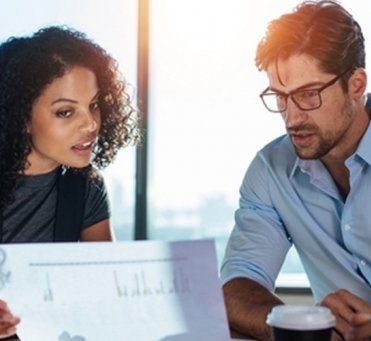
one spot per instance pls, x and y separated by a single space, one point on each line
143 290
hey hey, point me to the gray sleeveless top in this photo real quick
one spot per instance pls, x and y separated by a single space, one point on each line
31 216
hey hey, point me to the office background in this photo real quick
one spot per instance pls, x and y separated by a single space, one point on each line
191 62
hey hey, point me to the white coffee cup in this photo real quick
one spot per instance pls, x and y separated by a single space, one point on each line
301 322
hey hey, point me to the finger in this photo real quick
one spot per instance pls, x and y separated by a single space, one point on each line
338 303
8 327
3 306
336 336
361 318
7 333
342 326
362 327
353 302
341 310
362 334
8 322
343 304
6 317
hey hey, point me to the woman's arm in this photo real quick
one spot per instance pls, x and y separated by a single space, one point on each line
97 232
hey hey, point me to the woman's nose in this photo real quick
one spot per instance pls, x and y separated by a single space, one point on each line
90 122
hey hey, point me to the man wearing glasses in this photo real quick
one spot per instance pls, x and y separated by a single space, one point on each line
311 187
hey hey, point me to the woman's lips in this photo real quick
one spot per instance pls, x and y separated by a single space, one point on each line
85 145
84 148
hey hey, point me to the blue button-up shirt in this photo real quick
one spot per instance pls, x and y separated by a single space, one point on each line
286 200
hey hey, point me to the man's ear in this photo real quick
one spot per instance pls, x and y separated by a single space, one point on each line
357 83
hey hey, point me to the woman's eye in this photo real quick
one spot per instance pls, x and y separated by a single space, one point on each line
64 113
94 106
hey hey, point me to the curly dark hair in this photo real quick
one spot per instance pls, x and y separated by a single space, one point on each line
28 65
321 29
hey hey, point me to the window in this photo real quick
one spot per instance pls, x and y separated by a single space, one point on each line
206 120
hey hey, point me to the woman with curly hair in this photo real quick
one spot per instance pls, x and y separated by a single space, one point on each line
64 114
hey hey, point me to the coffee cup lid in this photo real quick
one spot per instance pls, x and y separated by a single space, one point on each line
300 317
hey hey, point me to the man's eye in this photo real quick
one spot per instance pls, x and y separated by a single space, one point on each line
307 94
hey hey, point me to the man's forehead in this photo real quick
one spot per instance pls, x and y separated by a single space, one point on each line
293 72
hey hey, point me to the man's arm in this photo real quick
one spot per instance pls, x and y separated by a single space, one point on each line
248 304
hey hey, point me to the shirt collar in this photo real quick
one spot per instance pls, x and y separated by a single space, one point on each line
368 101
295 166
364 150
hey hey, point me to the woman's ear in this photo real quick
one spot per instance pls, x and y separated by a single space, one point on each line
357 83
28 127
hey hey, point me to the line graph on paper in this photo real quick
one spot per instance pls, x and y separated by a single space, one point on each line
139 285
109 291
122 279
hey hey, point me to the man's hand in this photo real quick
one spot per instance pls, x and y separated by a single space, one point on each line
361 328
345 306
8 321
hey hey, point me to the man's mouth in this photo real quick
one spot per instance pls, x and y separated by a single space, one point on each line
302 140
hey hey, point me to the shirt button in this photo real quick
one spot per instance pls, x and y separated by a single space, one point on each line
347 227
363 262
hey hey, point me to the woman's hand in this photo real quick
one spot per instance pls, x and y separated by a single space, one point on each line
8 321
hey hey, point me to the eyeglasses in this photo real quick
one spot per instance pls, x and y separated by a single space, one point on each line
306 99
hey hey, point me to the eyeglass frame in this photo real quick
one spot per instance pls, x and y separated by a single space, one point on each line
291 93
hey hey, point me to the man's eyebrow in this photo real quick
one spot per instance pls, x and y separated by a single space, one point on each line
302 87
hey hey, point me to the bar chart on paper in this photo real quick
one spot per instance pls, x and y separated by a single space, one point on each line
107 291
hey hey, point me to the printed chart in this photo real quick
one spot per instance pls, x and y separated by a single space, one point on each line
148 290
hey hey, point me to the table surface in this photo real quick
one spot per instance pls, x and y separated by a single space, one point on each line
16 339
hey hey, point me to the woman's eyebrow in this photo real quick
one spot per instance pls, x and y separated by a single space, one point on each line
62 99
96 95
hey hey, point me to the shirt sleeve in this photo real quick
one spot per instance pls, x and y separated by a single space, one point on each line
96 204
258 243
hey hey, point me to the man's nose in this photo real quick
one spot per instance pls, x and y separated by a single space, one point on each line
293 115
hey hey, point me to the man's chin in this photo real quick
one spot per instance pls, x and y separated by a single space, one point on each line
307 154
